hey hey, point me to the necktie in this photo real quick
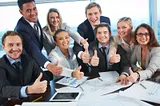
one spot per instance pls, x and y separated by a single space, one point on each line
37 30
105 55
17 66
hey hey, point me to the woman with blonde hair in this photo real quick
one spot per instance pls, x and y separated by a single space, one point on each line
54 22
125 36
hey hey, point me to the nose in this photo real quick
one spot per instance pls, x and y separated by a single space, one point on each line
93 17
15 47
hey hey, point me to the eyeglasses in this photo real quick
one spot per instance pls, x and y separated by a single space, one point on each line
141 34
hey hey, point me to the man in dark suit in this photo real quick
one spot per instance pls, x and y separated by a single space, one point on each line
86 30
29 28
106 55
20 74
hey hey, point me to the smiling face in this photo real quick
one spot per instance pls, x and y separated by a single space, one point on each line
13 46
124 29
63 40
93 15
54 19
103 35
29 12
142 36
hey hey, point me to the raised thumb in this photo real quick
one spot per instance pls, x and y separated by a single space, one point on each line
79 68
95 53
114 51
39 77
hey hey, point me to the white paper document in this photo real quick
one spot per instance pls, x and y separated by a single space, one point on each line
99 87
70 81
145 90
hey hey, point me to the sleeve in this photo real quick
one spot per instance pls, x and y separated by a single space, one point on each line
53 57
7 90
75 35
32 48
152 67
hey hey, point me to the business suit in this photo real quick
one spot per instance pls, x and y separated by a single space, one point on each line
49 42
152 63
86 31
11 80
31 42
122 66
68 66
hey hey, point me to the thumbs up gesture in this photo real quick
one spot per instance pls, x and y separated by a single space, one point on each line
133 76
95 59
38 86
77 73
85 56
54 68
115 57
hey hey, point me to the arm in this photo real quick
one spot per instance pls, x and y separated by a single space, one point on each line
32 49
153 64
6 89
75 35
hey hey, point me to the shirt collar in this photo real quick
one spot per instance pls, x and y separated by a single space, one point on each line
31 23
107 46
12 60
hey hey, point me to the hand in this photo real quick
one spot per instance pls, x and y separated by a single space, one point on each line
122 79
133 76
54 68
115 57
77 73
95 59
85 56
38 86
85 43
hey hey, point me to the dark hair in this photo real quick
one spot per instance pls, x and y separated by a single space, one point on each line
57 32
92 4
21 2
103 24
153 41
10 33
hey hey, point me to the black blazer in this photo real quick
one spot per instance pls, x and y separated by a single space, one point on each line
11 81
86 31
122 66
31 42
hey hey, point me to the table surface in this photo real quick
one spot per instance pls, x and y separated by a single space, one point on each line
50 91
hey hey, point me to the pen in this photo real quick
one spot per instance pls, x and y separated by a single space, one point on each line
37 99
81 88
100 79
143 86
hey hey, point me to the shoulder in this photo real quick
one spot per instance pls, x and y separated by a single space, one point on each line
105 19
84 23
155 50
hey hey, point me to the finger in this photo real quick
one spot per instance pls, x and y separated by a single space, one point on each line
114 51
118 80
56 64
86 50
39 77
95 53
79 68
86 39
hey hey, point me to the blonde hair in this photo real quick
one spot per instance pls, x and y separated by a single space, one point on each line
60 18
128 20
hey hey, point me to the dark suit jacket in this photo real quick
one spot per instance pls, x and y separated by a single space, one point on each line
11 81
86 31
122 66
31 42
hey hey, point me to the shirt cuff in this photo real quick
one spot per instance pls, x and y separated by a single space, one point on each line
124 73
79 54
46 63
23 92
